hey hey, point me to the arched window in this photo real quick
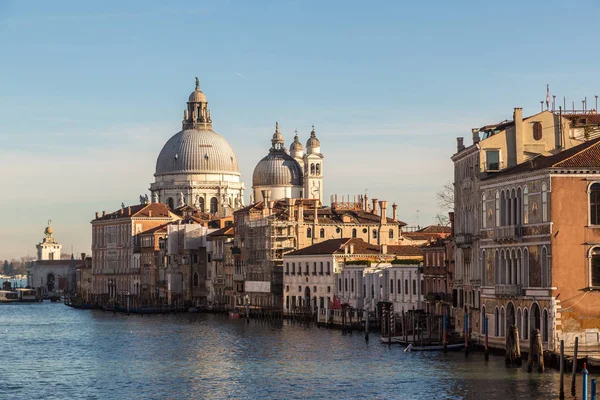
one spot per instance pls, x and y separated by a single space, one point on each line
312 169
545 325
502 321
483 268
594 203
345 284
309 233
406 287
318 169
497 208
496 322
544 202
595 267
214 205
525 334
503 197
352 284
391 286
322 233
171 203
414 287
519 208
391 234
525 205
537 130
483 211
196 283
201 203
399 286
354 232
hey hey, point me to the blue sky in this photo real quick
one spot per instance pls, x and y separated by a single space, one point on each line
90 91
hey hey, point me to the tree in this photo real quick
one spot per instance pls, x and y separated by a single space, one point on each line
445 197
5 267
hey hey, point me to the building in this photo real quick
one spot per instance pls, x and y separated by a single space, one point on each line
437 275
115 238
220 272
540 248
310 274
197 167
51 274
296 176
267 230
495 147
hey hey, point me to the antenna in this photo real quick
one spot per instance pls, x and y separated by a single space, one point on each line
542 105
553 101
417 219
596 96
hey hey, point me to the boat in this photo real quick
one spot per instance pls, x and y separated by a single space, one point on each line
8 296
395 339
436 347
235 314
27 295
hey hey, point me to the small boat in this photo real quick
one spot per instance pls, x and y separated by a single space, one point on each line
27 295
235 314
436 347
7 296
395 339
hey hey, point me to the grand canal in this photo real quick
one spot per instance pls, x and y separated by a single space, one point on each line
51 351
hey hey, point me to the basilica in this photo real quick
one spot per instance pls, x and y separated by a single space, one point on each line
197 167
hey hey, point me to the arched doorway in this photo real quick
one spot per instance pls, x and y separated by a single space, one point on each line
201 203
534 315
545 326
510 315
50 282
307 297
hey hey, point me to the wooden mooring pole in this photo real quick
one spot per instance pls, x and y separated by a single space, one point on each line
485 327
561 394
366 317
574 366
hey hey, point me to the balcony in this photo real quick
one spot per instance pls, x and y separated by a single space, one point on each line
510 233
463 239
433 297
238 277
508 291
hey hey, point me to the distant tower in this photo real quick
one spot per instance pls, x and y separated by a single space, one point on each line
49 248
313 168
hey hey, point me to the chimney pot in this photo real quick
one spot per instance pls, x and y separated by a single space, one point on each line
149 213
104 213
459 144
83 256
374 210
96 214
395 209
475 132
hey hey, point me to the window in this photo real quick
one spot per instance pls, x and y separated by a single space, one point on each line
300 288
525 205
525 324
214 205
322 233
314 268
196 283
321 269
345 284
595 267
340 284
497 208
354 233
171 203
537 131
406 286
309 233
595 204
399 286
293 268
352 284
391 286
493 160
306 268
328 289
545 277
287 268
544 202
414 287
483 211
201 203
328 268
391 234
374 233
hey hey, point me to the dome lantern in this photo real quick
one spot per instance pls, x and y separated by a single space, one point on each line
197 115
277 142
313 145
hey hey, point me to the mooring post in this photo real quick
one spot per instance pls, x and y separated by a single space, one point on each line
389 325
247 310
561 394
366 318
485 329
466 326
326 314
584 383
444 341
318 314
574 366
593 388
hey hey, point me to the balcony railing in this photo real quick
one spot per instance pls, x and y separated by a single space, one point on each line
503 291
508 233
462 239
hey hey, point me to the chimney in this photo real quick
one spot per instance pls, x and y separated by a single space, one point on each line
374 210
383 210
104 213
351 248
129 210
121 211
519 157
451 218
83 256
384 249
149 213
475 132
290 205
366 205
271 204
459 144
395 212
96 214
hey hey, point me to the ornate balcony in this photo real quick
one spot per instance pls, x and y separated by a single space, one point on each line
463 239
510 233
508 291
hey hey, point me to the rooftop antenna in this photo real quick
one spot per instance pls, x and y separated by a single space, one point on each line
553 102
596 96
583 105
417 219
542 105
564 103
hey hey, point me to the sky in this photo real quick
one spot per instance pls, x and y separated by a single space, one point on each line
91 91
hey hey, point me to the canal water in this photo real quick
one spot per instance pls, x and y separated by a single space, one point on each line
51 351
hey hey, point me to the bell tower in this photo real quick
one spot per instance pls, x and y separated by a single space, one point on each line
313 168
49 248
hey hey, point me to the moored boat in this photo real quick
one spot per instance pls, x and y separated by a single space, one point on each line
8 296
436 347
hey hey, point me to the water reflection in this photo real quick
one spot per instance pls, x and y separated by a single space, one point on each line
66 353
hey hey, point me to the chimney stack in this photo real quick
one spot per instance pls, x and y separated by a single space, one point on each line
374 210
149 213
475 132
395 212
383 210
96 214
129 211
83 256
290 205
351 248
366 205
459 144
300 211
384 249
104 213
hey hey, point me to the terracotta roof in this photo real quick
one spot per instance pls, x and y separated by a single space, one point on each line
420 235
158 210
436 229
157 229
405 250
583 119
585 155
338 246
327 247
226 231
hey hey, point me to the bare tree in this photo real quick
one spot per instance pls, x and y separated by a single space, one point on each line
445 197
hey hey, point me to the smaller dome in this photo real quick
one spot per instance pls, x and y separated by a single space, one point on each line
312 140
48 231
296 145
277 169
197 97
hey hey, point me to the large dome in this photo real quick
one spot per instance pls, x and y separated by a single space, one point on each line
197 151
277 169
